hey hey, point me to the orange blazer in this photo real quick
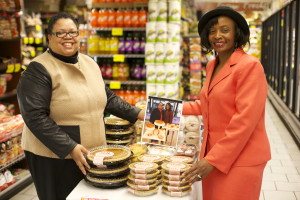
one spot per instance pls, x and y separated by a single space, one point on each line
233 111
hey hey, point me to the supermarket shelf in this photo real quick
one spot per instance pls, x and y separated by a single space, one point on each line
124 29
16 187
120 5
12 161
128 82
8 95
112 55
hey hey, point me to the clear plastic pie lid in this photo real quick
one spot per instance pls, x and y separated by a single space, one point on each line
143 167
142 181
111 153
151 158
141 187
184 159
115 121
108 170
118 141
105 180
171 188
145 176
175 168
119 131
167 182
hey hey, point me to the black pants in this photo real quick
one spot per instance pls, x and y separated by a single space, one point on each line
54 179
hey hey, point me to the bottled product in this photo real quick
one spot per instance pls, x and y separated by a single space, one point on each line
142 15
127 18
102 18
120 18
114 45
111 21
122 71
93 42
108 70
129 43
121 45
94 18
134 18
102 44
142 43
143 72
115 74
136 43
107 43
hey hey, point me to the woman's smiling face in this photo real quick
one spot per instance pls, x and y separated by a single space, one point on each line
66 46
221 36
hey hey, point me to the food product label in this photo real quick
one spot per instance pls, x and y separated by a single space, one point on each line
140 182
176 194
174 183
140 176
175 168
173 189
143 187
174 177
150 158
141 167
100 156
179 159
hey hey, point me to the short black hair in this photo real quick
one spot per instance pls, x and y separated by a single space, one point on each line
61 15
241 37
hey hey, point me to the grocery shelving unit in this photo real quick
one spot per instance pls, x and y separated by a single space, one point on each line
281 60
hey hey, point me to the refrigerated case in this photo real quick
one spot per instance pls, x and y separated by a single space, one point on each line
281 60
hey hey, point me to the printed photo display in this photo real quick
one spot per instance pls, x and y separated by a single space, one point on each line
161 124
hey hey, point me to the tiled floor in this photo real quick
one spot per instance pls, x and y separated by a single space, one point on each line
282 174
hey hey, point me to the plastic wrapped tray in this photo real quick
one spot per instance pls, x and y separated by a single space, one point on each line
116 123
108 172
176 194
141 187
119 133
143 193
107 183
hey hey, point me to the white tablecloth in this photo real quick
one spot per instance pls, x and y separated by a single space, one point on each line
83 189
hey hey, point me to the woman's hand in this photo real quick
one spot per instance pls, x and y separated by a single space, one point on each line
201 168
78 157
141 115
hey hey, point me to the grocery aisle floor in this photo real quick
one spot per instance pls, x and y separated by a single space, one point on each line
282 174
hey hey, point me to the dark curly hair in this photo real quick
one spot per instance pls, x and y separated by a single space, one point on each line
61 15
241 37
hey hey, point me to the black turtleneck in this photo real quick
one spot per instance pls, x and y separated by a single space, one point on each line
68 59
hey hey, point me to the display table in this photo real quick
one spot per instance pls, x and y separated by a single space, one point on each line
83 189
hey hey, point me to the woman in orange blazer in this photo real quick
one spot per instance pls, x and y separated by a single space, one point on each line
235 146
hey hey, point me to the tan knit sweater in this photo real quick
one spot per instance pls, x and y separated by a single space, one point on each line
78 99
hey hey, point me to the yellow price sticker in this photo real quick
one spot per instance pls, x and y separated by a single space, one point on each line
38 27
115 85
25 40
31 40
10 68
17 67
119 58
117 31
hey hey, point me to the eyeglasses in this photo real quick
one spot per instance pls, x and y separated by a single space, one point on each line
64 34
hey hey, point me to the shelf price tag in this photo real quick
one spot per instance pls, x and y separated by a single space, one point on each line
10 68
17 67
115 85
117 31
119 58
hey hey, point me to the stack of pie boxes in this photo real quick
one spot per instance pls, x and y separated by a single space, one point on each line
172 179
143 178
158 159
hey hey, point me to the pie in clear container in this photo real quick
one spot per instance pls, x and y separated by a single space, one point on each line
184 159
175 168
167 182
143 193
118 142
143 167
141 187
108 172
145 176
151 158
119 133
141 181
116 123
121 154
176 194
176 188
107 183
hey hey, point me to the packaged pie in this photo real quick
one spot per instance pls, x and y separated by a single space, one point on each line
119 133
137 150
109 155
174 168
107 183
168 182
176 194
145 176
141 187
171 177
143 167
151 158
143 193
184 159
171 188
142 181
116 123
108 173
118 142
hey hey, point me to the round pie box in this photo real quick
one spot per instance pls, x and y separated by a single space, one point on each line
118 142
119 133
176 188
145 176
143 167
141 181
174 168
174 183
151 158
107 183
120 154
183 159
116 123
171 177
176 194
143 193
141 187
108 172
